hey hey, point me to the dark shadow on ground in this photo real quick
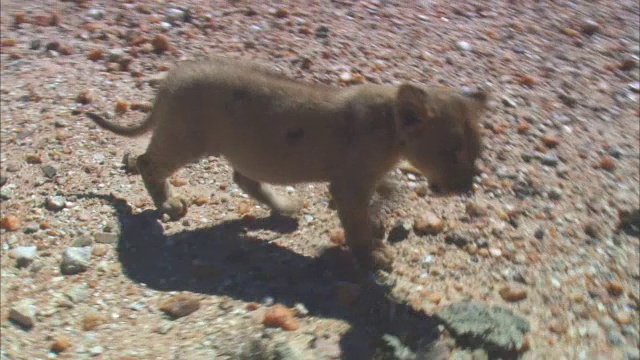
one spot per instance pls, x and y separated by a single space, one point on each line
224 260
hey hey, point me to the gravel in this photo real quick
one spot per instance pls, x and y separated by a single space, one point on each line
553 238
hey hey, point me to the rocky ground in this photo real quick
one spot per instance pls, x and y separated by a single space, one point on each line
542 262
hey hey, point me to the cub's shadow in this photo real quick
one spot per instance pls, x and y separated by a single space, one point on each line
225 259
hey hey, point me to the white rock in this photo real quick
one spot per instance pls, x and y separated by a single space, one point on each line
75 260
464 46
24 255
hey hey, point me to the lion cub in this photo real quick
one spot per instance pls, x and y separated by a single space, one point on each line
280 131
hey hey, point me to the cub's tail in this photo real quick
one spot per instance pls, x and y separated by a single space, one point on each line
128 131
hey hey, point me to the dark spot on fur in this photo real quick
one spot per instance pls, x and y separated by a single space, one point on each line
294 135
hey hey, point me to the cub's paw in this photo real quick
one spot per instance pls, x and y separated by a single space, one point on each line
378 258
288 206
382 258
176 207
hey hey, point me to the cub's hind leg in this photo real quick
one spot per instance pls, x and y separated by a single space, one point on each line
280 204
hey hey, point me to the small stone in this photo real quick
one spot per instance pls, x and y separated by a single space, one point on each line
550 141
513 293
96 14
100 250
607 163
614 288
635 86
92 320
78 294
82 241
550 159
53 45
33 159
399 232
589 27
555 194
201 200
558 326
23 313
75 260
322 31
95 54
594 230
300 310
463 46
10 223
129 161
35 44
164 328
180 305
615 338
161 43
428 224
622 317
96 350
280 316
176 15
60 344
85 97
508 102
336 236
495 252
13 166
49 171
55 203
121 107
3 180
281 13
457 239
24 255
475 209
106 238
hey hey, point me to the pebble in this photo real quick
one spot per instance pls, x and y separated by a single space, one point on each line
13 166
622 317
23 313
615 338
322 31
82 241
60 344
614 288
24 255
280 316
607 163
96 14
550 159
75 260
635 86
180 305
78 294
399 232
105 238
300 310
10 223
336 236
508 102
457 239
55 203
428 224
555 193
475 209
164 328
96 350
35 44
176 15
92 320
6 192
495 252
463 45
589 27
49 171
513 293
161 43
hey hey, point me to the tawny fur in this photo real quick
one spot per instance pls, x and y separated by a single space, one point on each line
275 130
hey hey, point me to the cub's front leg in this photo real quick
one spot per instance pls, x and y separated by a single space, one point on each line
352 203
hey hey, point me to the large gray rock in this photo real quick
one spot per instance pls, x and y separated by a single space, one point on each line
495 329
75 260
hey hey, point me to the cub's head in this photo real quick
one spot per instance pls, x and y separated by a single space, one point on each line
439 133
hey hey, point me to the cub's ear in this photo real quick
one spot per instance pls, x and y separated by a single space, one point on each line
411 112
479 100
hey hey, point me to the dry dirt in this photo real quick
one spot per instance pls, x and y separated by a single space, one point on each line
90 271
